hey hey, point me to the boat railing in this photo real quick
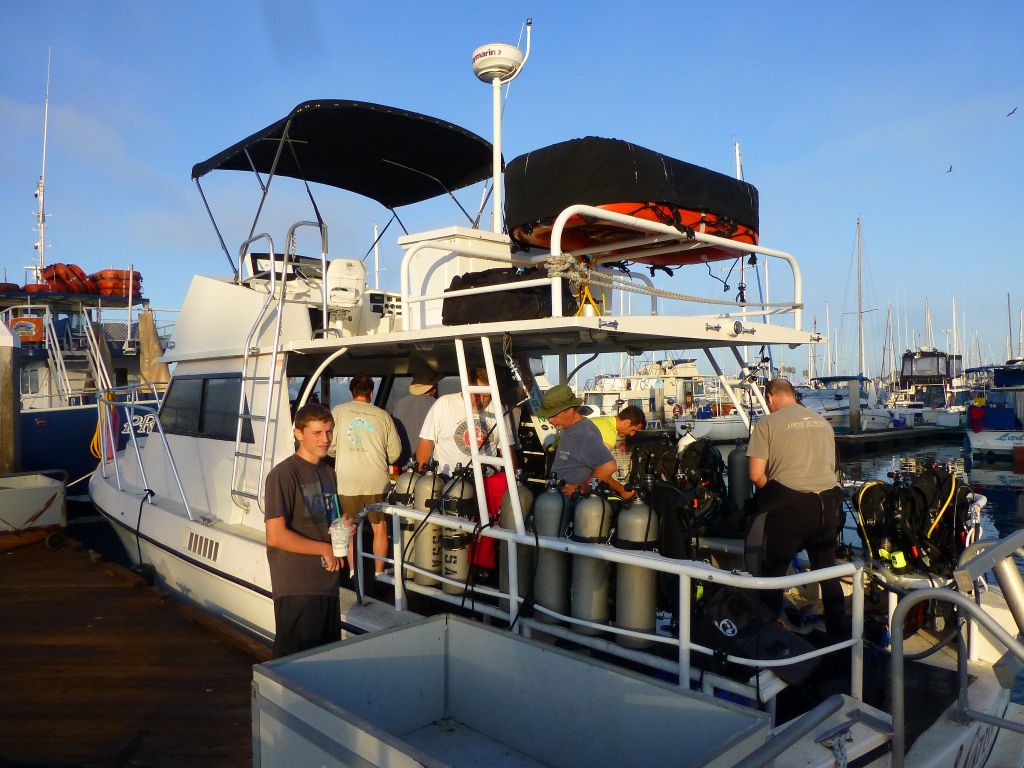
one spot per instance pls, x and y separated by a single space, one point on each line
554 282
55 360
655 238
976 561
108 405
687 572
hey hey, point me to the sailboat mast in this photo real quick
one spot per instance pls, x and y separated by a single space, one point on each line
1009 336
860 303
41 189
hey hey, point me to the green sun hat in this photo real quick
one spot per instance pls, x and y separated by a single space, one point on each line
556 400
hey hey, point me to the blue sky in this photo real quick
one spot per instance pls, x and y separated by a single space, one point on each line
841 109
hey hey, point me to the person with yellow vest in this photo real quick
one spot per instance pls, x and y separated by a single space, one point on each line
614 431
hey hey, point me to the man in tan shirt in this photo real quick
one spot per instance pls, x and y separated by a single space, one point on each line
365 445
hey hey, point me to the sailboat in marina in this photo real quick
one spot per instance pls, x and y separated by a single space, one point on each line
847 401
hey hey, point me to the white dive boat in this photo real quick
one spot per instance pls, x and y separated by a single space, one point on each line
187 500
830 396
995 420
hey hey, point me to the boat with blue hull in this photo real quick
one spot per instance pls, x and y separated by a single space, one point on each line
995 417
80 336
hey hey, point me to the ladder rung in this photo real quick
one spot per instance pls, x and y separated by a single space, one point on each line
245 455
245 494
252 417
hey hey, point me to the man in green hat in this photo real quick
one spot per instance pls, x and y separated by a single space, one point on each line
581 455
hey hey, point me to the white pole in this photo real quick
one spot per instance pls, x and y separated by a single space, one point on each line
376 258
496 154
860 306
41 189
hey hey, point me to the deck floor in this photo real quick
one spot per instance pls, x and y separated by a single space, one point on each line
97 669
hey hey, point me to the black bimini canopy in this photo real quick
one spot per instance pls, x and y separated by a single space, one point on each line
389 155
598 171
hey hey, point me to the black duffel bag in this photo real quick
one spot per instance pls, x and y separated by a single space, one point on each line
508 304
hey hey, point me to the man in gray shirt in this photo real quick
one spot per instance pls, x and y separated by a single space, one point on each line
411 410
581 455
792 462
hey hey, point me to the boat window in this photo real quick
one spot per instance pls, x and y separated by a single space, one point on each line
204 406
29 381
340 393
220 408
180 411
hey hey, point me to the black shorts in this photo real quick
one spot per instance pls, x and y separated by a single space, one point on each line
305 621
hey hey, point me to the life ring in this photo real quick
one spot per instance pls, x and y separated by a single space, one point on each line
677 411
117 274
50 276
68 278
84 283
583 234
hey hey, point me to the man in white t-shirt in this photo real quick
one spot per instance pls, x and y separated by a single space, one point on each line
445 434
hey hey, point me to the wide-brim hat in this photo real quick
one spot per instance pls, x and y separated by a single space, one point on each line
556 400
424 379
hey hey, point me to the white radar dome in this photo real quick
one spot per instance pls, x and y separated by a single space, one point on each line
496 60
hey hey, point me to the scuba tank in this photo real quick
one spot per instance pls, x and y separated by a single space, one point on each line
592 524
551 585
402 495
427 543
455 544
740 487
636 587
402 492
507 521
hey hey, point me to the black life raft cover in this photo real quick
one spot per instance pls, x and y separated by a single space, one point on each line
596 171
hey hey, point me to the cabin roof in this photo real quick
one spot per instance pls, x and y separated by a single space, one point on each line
390 155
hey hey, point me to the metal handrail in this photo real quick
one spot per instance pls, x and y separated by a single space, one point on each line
666 231
975 612
237 493
106 425
685 570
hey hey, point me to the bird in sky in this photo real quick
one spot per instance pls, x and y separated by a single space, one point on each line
950 169
1011 111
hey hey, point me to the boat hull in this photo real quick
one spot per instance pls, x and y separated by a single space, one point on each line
219 571
61 437
995 444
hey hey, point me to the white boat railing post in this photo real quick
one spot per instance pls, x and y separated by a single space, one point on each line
685 622
857 633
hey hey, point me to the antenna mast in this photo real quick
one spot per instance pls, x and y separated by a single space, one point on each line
860 305
41 189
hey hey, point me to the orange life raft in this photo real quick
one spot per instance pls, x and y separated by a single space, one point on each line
624 178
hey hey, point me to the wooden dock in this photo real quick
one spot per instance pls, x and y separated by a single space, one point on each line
98 669
883 440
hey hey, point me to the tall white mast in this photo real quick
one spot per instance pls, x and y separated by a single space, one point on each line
929 330
860 305
828 343
41 189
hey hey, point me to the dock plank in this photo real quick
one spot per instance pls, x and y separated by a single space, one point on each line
99 670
